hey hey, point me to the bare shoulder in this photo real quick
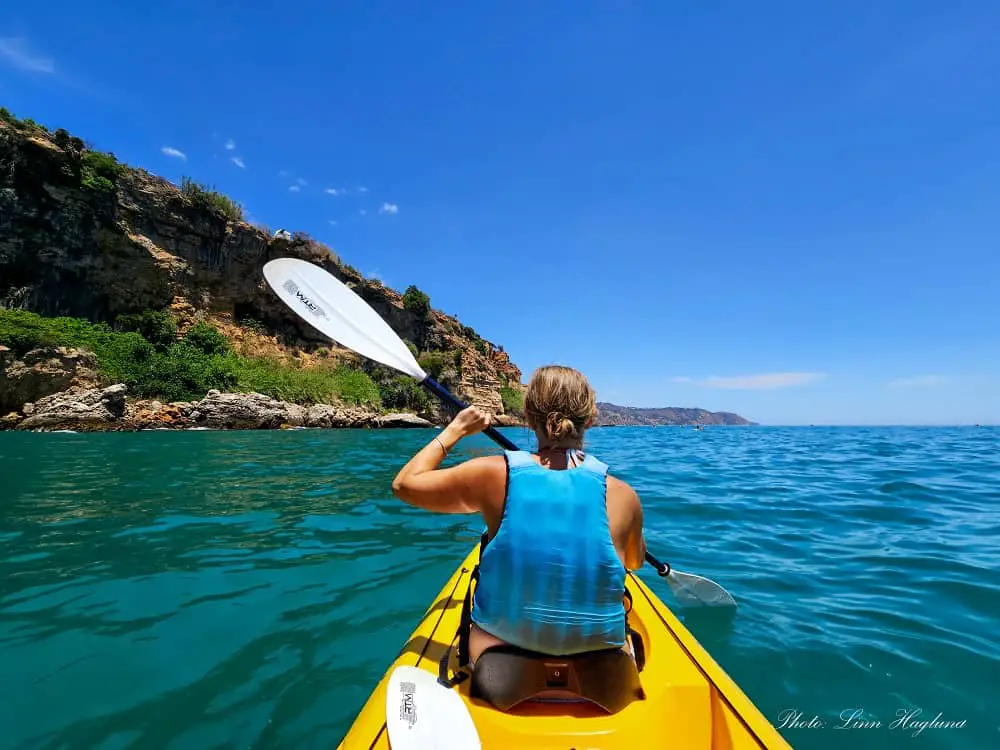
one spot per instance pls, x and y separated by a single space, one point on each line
484 471
622 492
487 465
626 522
485 483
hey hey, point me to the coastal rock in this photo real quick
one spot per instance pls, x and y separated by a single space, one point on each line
44 372
508 420
401 419
296 415
151 415
96 408
10 421
326 415
247 411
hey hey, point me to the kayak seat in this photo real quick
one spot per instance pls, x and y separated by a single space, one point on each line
506 675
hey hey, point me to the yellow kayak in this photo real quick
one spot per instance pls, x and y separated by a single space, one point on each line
688 700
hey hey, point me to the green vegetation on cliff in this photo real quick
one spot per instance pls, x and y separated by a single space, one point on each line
211 200
144 352
319 384
99 171
513 400
416 301
400 392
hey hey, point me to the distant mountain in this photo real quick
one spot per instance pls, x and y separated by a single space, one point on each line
612 415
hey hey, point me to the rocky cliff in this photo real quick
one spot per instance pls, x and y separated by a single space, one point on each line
611 415
82 235
59 389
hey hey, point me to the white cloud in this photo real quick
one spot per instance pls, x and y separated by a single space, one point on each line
344 191
363 212
283 173
389 208
301 181
918 381
238 161
230 145
763 381
19 54
175 153
332 222
294 188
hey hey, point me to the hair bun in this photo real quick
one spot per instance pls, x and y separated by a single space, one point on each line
558 426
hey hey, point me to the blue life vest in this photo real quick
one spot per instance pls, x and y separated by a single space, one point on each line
551 580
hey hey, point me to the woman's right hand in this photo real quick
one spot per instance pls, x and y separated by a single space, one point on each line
469 421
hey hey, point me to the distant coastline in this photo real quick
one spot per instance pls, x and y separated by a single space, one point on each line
614 415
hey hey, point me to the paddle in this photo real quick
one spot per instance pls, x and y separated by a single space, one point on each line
327 304
422 714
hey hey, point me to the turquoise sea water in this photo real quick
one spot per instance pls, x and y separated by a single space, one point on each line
248 589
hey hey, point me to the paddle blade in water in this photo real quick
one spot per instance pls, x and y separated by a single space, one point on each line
330 307
422 714
694 590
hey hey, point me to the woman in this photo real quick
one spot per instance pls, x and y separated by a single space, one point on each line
562 531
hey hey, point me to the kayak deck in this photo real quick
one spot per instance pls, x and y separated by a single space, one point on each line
690 701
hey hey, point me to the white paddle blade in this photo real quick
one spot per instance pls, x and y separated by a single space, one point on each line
692 589
329 306
422 714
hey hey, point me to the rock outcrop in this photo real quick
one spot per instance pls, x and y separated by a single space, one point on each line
251 411
96 408
152 415
401 419
509 420
43 372
107 409
325 415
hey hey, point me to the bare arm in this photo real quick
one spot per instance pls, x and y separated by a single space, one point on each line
628 523
457 489
636 555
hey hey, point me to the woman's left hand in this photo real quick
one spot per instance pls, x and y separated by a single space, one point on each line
469 421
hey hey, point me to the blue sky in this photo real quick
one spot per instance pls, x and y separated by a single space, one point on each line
787 210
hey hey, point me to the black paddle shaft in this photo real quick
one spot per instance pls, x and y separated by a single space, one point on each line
441 392
445 395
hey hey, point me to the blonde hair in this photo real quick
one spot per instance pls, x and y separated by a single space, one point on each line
559 403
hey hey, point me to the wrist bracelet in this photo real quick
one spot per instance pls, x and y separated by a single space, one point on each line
443 449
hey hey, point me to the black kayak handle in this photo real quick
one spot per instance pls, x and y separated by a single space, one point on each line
662 568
